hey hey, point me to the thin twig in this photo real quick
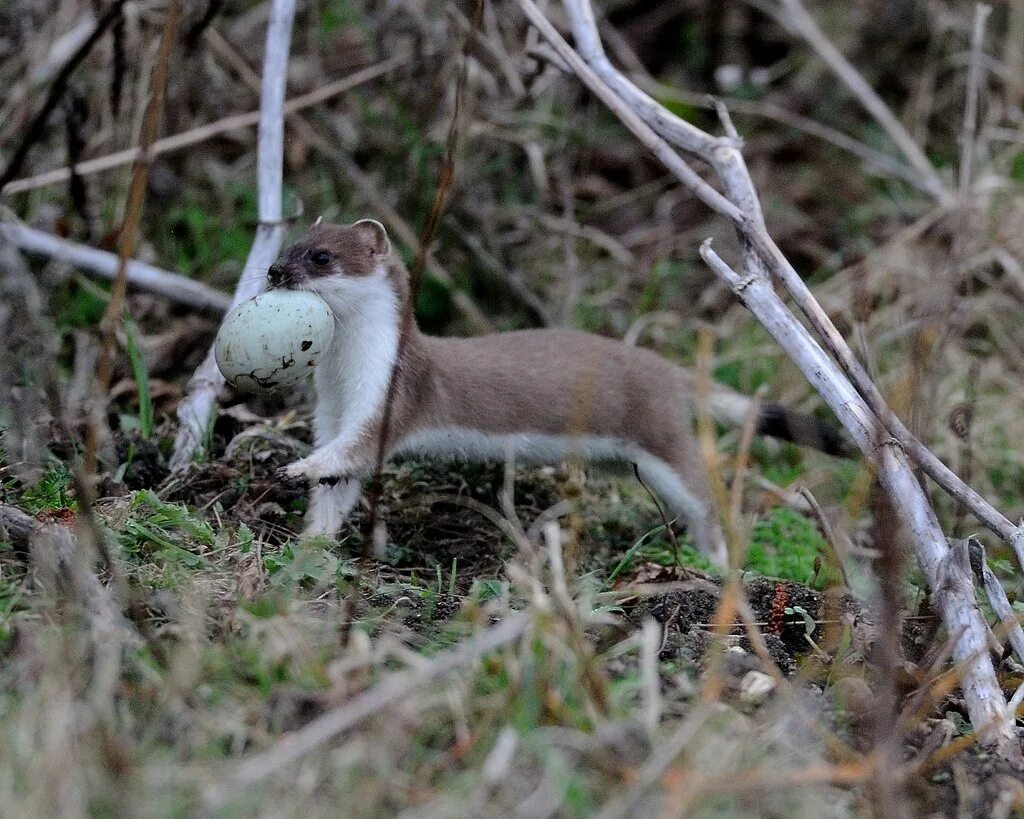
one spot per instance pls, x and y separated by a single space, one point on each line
202 133
808 28
57 88
446 177
881 162
367 187
968 135
666 521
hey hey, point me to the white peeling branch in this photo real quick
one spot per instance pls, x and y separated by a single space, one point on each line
953 591
197 407
141 276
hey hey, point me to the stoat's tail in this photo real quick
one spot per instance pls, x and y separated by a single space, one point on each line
731 409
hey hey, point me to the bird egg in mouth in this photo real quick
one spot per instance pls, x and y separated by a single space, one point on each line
273 340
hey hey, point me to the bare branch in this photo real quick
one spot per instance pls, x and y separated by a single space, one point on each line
952 589
141 275
197 407
631 119
732 170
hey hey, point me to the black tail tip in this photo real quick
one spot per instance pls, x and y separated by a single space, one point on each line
803 429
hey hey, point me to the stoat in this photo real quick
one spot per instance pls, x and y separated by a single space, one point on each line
534 395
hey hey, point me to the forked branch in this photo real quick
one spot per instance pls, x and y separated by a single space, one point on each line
848 390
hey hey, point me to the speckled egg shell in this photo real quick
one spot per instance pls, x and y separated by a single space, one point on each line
274 340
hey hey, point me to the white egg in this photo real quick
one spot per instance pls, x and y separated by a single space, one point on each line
273 340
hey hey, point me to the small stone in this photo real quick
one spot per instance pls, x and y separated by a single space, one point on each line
755 687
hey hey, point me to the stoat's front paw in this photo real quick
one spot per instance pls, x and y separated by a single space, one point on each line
297 473
312 470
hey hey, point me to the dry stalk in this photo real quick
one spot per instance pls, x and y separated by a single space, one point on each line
804 23
197 407
969 134
366 186
56 93
128 230
202 133
446 178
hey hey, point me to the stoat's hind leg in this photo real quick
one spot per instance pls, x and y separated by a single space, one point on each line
329 507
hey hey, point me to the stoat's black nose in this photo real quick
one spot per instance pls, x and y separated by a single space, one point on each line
275 274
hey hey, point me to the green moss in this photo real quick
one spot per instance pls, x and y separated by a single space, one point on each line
784 544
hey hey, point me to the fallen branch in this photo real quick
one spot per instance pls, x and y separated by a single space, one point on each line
197 407
141 276
394 688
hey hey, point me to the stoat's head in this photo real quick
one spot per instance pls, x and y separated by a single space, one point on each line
348 266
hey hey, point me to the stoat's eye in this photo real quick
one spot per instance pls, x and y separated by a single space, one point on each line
321 257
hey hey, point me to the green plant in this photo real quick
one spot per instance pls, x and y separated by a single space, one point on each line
50 492
141 374
784 544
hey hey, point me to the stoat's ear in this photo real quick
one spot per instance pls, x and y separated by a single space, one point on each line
375 237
